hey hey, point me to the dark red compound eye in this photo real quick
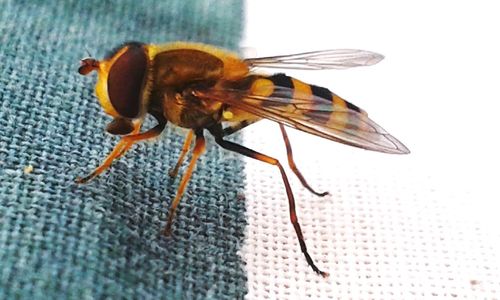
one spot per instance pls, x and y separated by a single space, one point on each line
125 81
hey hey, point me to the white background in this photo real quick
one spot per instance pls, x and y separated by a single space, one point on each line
416 226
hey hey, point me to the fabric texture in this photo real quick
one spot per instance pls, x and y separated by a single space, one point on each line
418 226
401 234
102 240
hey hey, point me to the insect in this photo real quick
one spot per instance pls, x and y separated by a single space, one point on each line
207 89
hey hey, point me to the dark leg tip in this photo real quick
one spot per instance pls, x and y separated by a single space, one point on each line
323 194
82 180
307 186
172 173
324 274
167 231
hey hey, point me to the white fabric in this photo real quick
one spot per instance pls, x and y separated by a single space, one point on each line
387 231
425 225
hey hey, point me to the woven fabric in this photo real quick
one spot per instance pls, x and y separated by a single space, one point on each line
60 239
417 226
402 234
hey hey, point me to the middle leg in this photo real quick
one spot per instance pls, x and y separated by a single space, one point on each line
185 148
198 150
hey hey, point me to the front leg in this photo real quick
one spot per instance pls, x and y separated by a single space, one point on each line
123 145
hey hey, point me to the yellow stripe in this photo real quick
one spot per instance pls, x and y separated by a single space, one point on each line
338 118
262 87
302 91
339 103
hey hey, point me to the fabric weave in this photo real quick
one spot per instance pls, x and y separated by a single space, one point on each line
60 239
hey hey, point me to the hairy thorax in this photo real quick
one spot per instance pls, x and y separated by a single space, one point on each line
176 73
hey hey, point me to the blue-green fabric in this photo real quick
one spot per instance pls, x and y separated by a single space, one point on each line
102 240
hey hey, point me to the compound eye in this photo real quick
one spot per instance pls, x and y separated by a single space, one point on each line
125 81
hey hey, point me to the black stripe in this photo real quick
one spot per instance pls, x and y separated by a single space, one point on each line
321 92
283 81
326 94
352 106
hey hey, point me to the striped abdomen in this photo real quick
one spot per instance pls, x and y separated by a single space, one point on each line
316 103
302 89
310 108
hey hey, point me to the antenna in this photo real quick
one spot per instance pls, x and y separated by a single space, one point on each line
88 52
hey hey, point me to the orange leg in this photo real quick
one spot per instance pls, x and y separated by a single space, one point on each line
198 150
291 200
293 166
185 148
125 143
137 128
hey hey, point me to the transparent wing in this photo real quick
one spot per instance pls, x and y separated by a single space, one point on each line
312 114
318 60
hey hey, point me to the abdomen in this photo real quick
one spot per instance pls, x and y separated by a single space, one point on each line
290 94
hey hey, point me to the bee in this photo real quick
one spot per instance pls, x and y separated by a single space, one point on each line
207 89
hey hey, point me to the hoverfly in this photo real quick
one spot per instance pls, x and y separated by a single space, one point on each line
204 88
